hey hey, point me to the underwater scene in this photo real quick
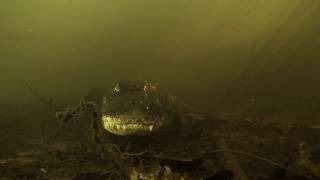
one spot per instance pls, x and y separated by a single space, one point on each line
160 90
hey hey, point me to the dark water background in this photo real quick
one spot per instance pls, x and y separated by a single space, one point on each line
219 55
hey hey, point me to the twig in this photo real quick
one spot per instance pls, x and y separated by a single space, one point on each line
42 99
192 144
84 106
293 104
228 161
72 112
259 158
20 161
307 163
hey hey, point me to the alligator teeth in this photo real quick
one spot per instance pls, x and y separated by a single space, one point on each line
124 127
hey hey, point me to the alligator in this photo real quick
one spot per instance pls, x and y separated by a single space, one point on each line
135 108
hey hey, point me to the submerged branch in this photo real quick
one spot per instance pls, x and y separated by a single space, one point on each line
307 163
71 112
49 102
259 158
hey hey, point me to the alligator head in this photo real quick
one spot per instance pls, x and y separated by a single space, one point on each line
137 108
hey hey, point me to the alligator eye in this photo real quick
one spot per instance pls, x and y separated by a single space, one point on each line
117 88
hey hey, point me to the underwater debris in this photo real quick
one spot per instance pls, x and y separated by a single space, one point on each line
193 151
47 101
306 162
228 161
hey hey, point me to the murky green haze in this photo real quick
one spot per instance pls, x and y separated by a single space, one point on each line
244 55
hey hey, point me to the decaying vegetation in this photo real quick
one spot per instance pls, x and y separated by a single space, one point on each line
34 145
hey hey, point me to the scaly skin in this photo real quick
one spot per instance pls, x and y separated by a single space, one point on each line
135 108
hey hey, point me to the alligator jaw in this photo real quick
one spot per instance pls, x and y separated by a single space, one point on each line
124 127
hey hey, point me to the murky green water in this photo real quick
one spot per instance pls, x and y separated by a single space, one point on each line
216 54
253 65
